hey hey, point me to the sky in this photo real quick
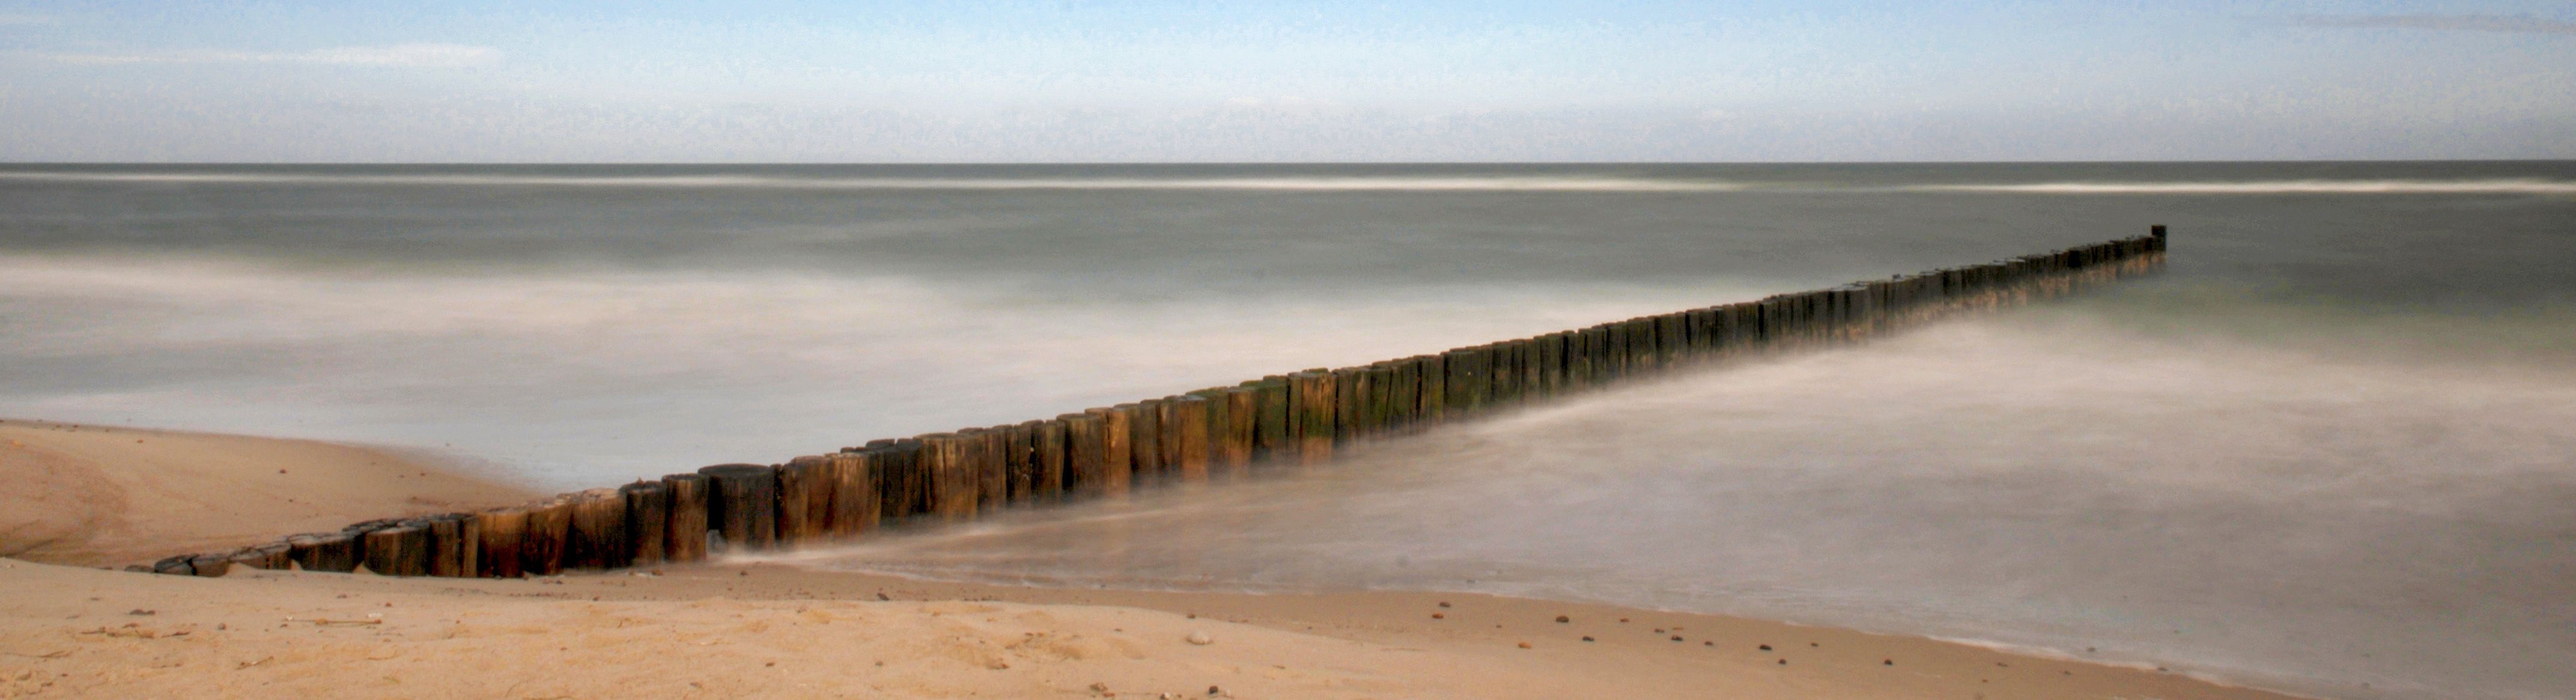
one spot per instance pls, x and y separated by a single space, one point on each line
1484 81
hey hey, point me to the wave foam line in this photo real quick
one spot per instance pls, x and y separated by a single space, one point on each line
1315 184
2500 186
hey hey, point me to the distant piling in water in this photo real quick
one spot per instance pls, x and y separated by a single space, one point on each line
1297 418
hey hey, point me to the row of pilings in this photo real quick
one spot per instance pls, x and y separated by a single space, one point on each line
1218 433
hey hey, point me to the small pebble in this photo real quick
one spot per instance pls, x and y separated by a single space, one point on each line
1438 616
1784 662
1677 637
1213 690
1766 647
1889 662
1444 603
1563 619
1587 639
1525 645
1200 638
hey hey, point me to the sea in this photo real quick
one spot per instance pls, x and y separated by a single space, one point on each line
2331 449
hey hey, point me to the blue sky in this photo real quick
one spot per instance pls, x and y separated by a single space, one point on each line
1483 81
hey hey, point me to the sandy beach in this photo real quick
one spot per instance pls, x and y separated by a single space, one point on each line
110 496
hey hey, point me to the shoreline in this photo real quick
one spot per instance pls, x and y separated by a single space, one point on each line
765 629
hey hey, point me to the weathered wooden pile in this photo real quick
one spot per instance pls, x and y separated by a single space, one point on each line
1223 432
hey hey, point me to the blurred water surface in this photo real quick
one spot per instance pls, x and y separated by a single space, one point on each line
2329 450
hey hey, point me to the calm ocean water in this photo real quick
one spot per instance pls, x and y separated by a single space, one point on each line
2331 450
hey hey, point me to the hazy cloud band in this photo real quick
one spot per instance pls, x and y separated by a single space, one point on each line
402 55
2518 24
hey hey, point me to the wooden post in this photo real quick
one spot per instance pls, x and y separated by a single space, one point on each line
648 516
1506 373
1048 459
853 507
903 484
1350 391
1672 338
1610 354
800 488
247 557
1641 346
210 564
1189 428
952 478
1378 412
1274 432
1535 355
743 505
992 468
1214 406
357 533
598 536
271 556
1434 391
504 533
1242 424
548 538
1466 382
684 528
1403 394
1117 465
1578 363
1086 452
446 548
1312 402
1167 433
1483 362
332 551
1019 459
1144 440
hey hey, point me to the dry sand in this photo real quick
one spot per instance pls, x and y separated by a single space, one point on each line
100 496
761 630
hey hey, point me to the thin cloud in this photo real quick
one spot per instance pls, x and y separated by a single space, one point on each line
2517 24
397 55
7 19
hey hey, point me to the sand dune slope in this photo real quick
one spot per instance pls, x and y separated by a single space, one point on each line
110 496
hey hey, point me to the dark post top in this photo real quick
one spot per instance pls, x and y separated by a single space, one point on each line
2157 230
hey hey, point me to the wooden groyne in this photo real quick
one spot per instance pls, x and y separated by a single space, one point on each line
1304 417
